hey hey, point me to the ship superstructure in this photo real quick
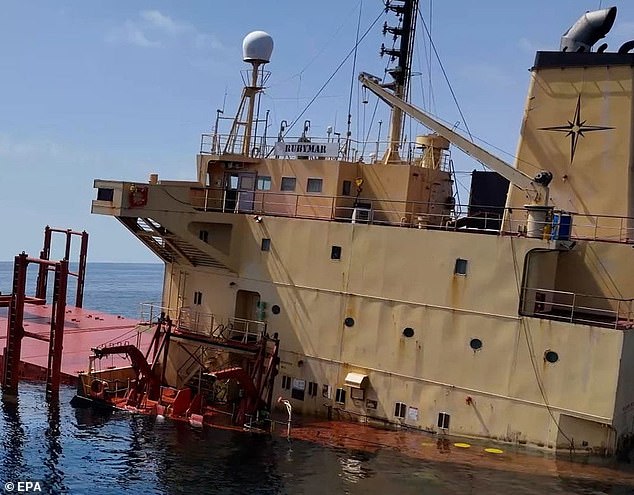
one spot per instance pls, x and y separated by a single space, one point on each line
509 320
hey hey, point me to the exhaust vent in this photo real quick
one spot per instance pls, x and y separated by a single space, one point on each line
590 28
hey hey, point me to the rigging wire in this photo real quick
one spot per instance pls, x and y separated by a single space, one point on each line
430 62
345 59
331 38
531 350
444 73
354 69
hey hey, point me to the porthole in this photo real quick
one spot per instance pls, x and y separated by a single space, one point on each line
275 309
551 356
349 322
475 344
408 332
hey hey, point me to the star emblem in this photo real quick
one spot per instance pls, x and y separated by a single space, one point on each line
575 128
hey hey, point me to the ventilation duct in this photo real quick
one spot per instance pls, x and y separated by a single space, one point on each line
590 28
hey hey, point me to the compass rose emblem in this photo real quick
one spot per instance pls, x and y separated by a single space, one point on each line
575 128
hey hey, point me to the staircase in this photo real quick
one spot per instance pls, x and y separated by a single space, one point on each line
168 246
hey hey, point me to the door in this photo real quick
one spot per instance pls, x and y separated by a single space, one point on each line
246 191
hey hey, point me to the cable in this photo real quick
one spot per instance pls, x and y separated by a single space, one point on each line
354 69
345 59
531 351
444 73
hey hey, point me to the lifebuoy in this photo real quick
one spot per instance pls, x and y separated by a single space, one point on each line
98 389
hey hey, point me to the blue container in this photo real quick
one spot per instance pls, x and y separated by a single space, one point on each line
562 226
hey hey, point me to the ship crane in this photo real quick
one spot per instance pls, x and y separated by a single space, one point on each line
535 187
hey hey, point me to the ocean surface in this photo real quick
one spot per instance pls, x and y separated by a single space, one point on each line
64 450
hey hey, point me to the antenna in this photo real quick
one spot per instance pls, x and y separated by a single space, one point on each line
257 48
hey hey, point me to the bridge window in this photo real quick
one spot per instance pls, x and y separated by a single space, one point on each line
264 183
203 235
266 244
105 194
314 185
288 184
198 297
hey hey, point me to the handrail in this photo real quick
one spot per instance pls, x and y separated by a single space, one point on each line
579 308
349 149
411 214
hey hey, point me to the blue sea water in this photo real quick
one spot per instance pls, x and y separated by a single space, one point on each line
78 451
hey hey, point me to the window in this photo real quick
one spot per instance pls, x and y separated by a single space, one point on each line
286 382
247 182
347 186
266 244
198 297
335 253
340 396
400 410
475 344
461 267
443 420
264 183
326 391
357 393
314 185
104 194
203 235
288 184
299 387
312 389
551 356
408 332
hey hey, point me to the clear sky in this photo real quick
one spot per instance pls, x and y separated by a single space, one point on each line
117 90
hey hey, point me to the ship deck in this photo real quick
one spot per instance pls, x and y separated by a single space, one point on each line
84 329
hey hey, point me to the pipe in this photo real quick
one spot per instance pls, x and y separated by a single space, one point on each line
590 28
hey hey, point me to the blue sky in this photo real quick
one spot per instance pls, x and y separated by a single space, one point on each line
117 90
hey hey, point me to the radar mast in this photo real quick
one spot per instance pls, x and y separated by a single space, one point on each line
407 11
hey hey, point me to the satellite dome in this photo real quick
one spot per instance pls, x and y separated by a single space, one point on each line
257 47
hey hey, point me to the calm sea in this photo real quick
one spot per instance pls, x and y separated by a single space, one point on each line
78 451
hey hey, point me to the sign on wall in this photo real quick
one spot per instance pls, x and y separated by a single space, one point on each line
310 150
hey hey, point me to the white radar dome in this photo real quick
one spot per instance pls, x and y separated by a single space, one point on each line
257 47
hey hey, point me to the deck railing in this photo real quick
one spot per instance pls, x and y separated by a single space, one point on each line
578 308
206 324
410 214
344 149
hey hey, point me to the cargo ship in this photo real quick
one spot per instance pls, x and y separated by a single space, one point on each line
509 318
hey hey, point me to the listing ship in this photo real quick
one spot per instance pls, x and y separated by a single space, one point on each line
509 319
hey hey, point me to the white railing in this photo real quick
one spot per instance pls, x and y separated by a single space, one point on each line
578 308
206 324
410 214
349 149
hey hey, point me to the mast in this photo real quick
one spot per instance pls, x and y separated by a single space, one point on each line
407 11
256 48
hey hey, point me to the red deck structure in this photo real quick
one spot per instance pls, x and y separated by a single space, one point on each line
84 330
51 342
